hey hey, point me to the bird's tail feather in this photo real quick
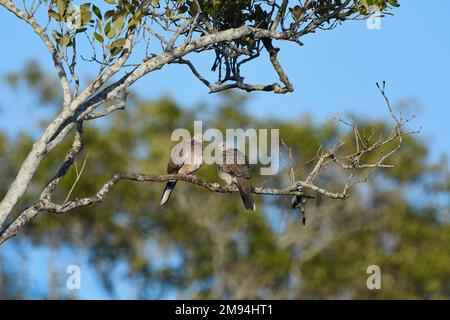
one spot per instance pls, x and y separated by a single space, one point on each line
245 191
168 191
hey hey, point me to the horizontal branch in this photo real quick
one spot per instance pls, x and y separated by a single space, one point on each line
45 204
294 189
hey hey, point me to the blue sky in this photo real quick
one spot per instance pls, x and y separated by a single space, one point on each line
333 73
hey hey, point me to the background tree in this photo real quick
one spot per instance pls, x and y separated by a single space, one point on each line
121 37
219 250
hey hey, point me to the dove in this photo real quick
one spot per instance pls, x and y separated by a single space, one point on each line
186 158
235 169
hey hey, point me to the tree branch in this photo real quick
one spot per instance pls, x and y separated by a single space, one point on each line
45 203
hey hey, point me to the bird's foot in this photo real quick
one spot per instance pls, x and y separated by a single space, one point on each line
191 177
229 187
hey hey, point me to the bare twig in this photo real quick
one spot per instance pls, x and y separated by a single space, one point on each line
78 176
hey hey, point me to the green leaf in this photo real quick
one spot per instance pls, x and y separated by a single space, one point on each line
99 26
110 1
98 37
66 39
251 44
107 27
193 8
119 21
62 6
182 9
115 51
297 12
129 6
117 46
80 30
97 11
109 14
394 3
133 22
110 32
54 15
86 17
118 43
85 7
365 4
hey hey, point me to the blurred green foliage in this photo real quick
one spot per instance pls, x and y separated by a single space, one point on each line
205 245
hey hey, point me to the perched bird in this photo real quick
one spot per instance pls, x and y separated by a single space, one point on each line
235 169
186 158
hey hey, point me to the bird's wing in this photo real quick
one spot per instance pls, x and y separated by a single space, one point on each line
173 168
239 170
182 157
239 166
189 161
